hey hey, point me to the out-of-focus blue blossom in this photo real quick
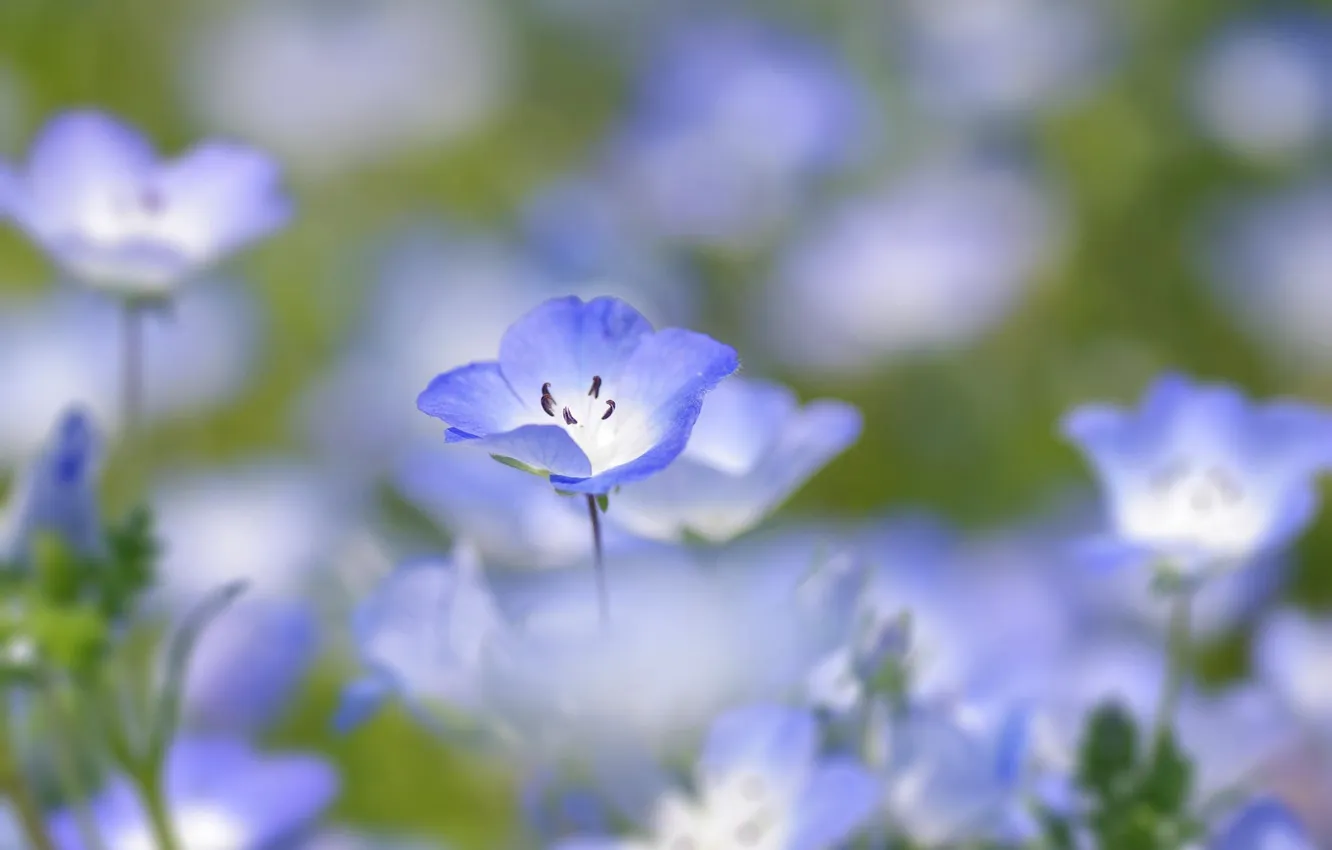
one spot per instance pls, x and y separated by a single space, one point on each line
753 445
361 414
630 394
66 349
1261 87
1234 736
957 774
95 196
554 811
759 783
332 87
937 258
1004 58
731 125
220 793
1293 653
1263 824
1199 478
1271 260
57 493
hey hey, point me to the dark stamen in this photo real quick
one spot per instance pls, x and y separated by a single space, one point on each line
595 392
545 389
610 408
568 418
548 405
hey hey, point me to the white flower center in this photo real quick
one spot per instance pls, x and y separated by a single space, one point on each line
608 433
1198 504
741 812
200 827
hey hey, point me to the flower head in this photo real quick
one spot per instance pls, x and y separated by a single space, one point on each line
1263 824
57 494
751 447
221 795
760 783
1200 477
586 393
96 197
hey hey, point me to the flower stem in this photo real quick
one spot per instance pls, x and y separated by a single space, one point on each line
1178 662
599 561
131 378
159 812
14 785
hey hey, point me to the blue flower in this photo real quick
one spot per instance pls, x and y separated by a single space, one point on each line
1291 651
220 793
95 196
752 446
1263 824
583 392
759 782
1200 478
58 493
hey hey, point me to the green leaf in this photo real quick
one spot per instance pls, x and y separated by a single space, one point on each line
1168 784
603 502
1056 829
1109 755
518 464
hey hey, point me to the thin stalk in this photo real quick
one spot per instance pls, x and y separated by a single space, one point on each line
159 812
14 785
131 363
599 561
1178 663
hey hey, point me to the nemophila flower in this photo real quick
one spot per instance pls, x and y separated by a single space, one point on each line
586 393
57 493
1006 59
65 348
95 196
1263 824
1260 86
687 154
1200 478
752 446
1235 737
336 88
930 262
220 794
1293 653
759 782
1270 261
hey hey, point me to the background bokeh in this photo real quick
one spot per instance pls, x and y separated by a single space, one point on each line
965 216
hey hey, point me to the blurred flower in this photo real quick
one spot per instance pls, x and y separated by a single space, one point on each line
362 414
1003 58
752 446
1263 824
653 383
64 350
1261 86
759 782
1271 260
936 259
1293 653
1233 737
332 87
958 775
57 493
95 196
220 794
1200 478
689 154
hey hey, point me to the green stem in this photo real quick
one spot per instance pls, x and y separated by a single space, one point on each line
159 812
1178 663
599 563
14 785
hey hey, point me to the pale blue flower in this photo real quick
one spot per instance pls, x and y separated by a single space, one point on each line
1293 653
1260 87
95 196
689 156
1200 478
1263 824
586 393
753 445
220 793
57 493
759 782
930 261
1233 737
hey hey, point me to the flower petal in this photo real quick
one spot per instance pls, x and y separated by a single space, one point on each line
1263 824
839 799
545 448
474 400
778 740
566 341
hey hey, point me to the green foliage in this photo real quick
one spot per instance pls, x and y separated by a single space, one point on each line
1137 795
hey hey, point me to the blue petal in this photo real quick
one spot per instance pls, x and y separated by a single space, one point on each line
474 400
360 701
775 739
840 798
279 796
547 448
229 191
566 341
1264 824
